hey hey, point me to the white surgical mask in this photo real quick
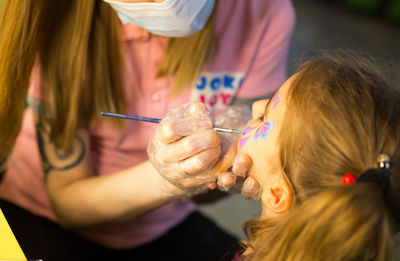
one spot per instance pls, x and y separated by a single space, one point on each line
172 18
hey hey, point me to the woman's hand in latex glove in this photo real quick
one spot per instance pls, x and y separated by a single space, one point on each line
232 168
233 176
184 148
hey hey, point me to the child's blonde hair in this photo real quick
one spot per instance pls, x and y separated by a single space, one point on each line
341 114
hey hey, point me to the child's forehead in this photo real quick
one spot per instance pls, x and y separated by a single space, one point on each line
280 95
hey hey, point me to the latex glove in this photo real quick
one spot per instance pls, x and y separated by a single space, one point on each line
184 147
232 168
234 178
233 117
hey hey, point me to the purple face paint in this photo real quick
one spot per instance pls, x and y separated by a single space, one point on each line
261 132
275 100
248 129
243 140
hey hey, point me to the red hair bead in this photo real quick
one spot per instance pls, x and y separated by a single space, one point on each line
348 179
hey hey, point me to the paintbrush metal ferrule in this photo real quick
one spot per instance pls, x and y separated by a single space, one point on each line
154 120
228 130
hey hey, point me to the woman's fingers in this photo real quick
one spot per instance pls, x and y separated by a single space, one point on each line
189 146
201 162
225 162
171 130
183 121
251 189
226 181
184 148
236 172
241 165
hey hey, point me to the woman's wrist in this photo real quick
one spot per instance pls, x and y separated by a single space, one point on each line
167 190
171 191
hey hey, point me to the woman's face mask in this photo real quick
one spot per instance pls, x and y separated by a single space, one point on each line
172 18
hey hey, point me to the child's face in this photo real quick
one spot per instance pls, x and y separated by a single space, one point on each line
260 139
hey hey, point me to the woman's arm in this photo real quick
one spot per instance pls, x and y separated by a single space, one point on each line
81 199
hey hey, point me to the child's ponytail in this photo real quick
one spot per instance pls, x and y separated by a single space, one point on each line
342 223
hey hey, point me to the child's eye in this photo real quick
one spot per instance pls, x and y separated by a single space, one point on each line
261 118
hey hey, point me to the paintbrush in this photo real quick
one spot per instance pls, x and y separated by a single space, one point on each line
154 120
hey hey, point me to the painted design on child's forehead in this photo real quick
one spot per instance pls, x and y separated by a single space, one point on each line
261 133
276 100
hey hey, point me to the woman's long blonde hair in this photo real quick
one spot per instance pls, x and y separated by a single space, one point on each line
76 44
340 116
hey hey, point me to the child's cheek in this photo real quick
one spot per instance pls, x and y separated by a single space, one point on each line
246 144
245 137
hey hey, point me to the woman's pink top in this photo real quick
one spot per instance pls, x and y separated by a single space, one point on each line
250 61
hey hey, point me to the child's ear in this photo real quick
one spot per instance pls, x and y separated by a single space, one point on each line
278 198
